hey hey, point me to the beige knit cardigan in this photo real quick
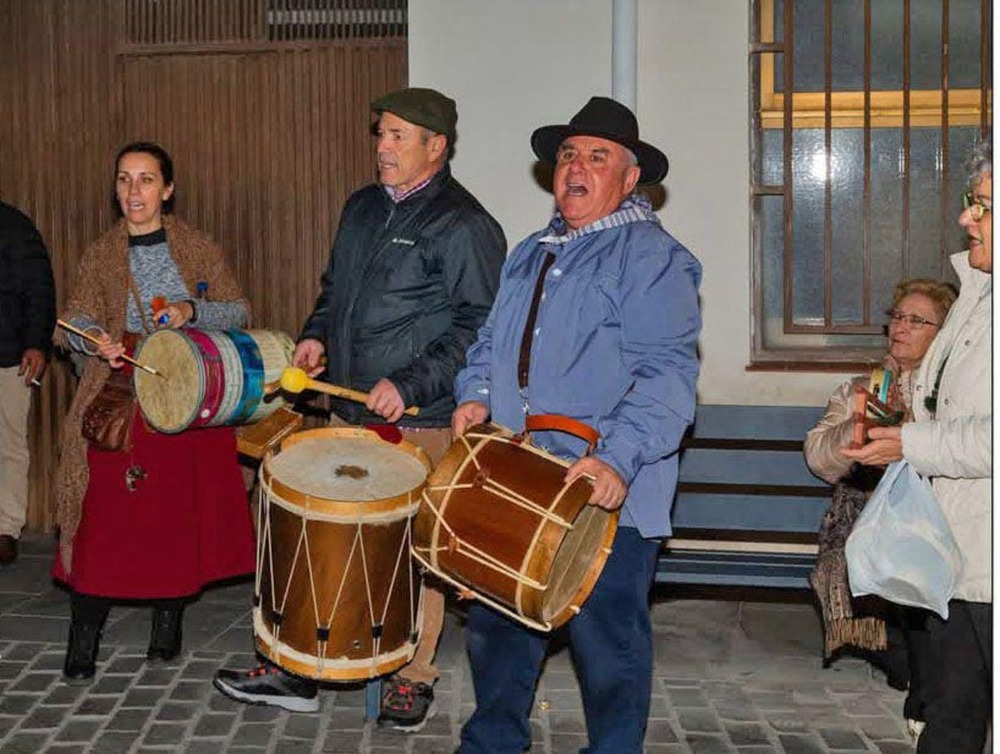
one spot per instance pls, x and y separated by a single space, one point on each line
102 293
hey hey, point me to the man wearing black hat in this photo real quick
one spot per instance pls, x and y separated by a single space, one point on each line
597 319
411 278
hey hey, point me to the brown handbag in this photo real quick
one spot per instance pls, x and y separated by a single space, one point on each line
107 422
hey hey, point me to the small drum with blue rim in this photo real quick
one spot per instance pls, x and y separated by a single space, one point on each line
213 378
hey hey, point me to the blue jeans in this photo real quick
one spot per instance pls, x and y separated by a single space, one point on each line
612 650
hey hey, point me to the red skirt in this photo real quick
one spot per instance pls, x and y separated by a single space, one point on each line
186 524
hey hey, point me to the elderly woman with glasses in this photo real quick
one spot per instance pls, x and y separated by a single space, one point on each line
950 442
881 631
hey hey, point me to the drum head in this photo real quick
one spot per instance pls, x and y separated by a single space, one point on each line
346 465
169 402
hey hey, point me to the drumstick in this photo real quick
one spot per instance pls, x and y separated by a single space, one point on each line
295 380
124 357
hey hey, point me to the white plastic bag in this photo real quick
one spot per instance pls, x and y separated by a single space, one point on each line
901 547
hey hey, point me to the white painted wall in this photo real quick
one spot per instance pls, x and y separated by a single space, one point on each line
518 64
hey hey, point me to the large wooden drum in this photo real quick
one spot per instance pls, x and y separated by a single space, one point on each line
337 596
497 519
214 378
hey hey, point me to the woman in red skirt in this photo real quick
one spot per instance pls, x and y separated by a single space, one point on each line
163 515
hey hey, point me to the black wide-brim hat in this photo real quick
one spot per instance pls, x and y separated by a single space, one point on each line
606 119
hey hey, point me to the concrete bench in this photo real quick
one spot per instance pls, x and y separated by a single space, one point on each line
748 509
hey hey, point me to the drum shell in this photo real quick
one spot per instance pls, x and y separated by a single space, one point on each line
354 548
549 554
225 376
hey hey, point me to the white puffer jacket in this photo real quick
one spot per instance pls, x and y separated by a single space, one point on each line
955 448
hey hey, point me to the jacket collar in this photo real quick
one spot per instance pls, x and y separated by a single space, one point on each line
430 189
970 278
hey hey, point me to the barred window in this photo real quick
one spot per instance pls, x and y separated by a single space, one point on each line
863 114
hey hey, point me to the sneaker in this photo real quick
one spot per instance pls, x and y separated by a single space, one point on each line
406 705
268 684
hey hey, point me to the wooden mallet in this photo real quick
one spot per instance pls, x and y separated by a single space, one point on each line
295 380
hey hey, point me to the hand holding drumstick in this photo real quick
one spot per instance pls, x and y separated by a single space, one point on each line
295 380
111 351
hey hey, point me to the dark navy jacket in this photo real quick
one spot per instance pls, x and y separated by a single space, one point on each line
405 290
27 291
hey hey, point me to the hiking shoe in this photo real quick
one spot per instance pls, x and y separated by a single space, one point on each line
268 684
406 705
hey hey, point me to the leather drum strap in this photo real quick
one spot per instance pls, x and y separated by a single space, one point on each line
559 423
524 358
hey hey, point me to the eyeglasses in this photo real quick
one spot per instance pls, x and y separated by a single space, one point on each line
977 207
911 319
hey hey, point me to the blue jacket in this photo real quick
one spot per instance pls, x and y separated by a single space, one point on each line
615 347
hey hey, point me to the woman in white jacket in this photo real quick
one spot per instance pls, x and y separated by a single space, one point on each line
950 441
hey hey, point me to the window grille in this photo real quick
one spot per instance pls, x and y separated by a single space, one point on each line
863 112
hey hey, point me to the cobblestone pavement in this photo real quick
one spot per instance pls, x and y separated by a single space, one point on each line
731 676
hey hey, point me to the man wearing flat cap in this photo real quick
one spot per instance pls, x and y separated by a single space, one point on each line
411 277
597 319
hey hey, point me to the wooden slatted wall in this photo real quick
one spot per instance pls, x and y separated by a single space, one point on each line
268 125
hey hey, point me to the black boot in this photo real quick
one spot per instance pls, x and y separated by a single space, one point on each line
165 638
88 616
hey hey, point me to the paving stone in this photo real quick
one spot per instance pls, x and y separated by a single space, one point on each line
344 720
192 691
341 741
23 651
708 745
740 714
63 695
111 684
129 719
162 734
696 720
772 700
842 738
44 718
96 706
203 747
177 711
79 730
49 661
687 697
566 742
258 713
428 745
877 728
894 747
562 723
113 742
200 669
793 744
214 724
25 743
661 732
142 698
11 670
33 682
254 734
17 704
156 677
786 722
126 664
745 734
64 748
